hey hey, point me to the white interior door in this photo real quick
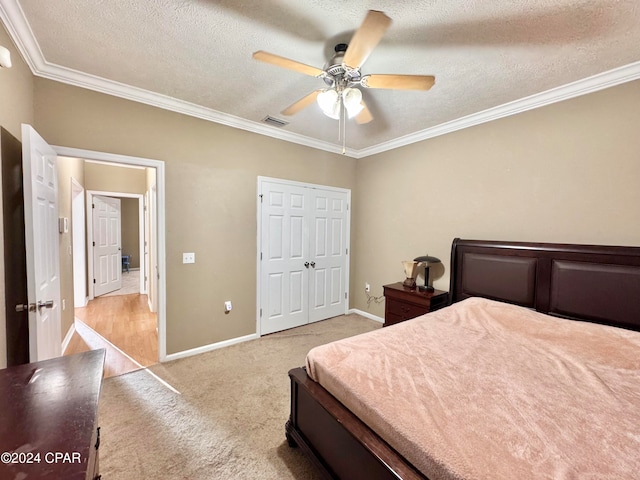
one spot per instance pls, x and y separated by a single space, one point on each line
303 254
328 249
107 249
285 239
40 180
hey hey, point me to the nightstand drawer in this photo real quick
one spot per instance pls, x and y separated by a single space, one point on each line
405 310
404 303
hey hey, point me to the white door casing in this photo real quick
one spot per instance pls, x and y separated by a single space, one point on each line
40 181
146 240
107 248
79 240
153 267
303 253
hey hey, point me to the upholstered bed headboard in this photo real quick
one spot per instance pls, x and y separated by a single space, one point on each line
580 282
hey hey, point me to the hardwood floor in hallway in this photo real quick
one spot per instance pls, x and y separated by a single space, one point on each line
125 322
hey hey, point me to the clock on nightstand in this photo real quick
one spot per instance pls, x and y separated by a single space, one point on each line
402 303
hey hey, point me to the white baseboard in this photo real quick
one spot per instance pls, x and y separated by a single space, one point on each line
67 337
208 348
366 314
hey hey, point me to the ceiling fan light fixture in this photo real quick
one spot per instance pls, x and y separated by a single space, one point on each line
352 98
329 102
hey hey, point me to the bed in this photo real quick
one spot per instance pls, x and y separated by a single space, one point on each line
586 290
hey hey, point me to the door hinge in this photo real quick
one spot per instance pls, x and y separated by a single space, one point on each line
260 313
260 198
345 295
94 280
260 255
93 205
347 251
94 244
347 207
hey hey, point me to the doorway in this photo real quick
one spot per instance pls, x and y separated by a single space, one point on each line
158 224
93 244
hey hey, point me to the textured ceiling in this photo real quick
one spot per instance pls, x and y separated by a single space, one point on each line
197 56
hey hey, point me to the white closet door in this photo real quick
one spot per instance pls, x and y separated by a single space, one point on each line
285 243
303 254
328 248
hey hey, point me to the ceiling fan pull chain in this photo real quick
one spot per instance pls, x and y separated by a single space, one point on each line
343 119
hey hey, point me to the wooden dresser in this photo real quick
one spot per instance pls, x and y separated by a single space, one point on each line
49 416
402 303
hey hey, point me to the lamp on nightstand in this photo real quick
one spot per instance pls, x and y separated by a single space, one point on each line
426 260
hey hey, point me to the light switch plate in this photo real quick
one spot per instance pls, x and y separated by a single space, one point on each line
188 258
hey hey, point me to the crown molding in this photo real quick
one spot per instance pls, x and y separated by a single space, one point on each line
14 19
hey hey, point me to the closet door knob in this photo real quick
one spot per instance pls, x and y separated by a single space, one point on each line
306 264
313 264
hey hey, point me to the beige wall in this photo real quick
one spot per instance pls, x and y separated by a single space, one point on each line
109 178
68 168
16 107
568 172
114 179
211 180
130 230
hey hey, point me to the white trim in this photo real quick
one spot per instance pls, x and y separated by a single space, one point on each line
260 181
161 225
68 336
210 347
79 241
368 315
16 24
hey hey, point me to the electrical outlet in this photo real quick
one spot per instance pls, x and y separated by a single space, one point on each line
367 287
188 258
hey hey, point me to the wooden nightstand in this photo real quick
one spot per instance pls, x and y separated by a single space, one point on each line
402 303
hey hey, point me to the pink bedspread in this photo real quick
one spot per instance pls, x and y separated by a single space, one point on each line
487 390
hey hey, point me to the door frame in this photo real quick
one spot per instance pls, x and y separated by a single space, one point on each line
160 220
100 193
79 243
260 182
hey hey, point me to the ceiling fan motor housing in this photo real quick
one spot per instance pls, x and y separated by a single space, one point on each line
336 71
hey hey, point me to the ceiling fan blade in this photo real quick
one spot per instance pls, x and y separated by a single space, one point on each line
304 102
364 116
366 38
283 62
398 82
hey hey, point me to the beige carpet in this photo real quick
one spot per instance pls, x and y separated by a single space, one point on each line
220 415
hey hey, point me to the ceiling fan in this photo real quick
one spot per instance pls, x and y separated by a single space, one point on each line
342 74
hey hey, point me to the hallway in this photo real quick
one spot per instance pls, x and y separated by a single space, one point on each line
124 326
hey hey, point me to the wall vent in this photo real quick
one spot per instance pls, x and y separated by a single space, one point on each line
276 122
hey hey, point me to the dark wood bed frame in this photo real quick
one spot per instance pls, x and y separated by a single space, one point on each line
579 282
